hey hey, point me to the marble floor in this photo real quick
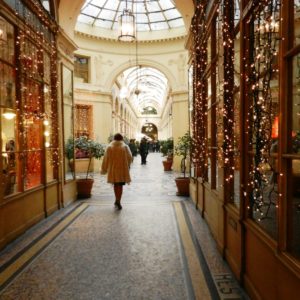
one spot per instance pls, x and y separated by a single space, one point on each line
156 247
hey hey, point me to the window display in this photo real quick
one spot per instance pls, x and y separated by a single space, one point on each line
27 114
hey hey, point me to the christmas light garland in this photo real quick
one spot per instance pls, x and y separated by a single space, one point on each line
263 43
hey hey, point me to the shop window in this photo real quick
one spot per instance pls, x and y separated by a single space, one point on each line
212 105
28 146
67 92
293 170
262 80
9 115
81 65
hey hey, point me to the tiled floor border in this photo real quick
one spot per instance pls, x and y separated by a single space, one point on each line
15 265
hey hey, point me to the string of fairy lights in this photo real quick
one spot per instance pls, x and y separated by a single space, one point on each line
36 101
261 69
198 28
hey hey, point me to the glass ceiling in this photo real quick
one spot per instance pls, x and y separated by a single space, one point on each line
146 87
150 14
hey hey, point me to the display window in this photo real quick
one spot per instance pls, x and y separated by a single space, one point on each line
28 145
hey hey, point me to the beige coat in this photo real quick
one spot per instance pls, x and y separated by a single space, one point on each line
116 162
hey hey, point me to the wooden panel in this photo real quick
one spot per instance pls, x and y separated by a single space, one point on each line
233 251
69 192
214 215
265 273
19 214
260 266
51 199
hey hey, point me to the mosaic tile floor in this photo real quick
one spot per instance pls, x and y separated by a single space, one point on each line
156 247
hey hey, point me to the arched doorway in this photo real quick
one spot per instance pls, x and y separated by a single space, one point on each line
150 130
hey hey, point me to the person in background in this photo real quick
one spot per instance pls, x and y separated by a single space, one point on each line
116 164
143 150
133 148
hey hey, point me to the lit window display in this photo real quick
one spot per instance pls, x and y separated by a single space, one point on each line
27 116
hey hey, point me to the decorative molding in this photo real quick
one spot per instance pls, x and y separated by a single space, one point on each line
66 45
180 37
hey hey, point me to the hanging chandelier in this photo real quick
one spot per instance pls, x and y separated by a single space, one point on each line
126 26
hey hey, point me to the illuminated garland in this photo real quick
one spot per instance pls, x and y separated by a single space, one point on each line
34 34
263 41
199 112
228 86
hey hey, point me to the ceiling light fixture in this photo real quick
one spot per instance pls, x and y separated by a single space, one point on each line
127 26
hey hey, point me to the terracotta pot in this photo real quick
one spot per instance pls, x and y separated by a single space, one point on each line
170 158
183 186
84 188
167 165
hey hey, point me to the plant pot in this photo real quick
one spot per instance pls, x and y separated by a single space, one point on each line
84 188
170 158
167 165
183 186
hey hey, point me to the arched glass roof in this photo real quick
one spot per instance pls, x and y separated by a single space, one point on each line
146 87
150 14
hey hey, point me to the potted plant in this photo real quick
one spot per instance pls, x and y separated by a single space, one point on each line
92 149
183 149
167 150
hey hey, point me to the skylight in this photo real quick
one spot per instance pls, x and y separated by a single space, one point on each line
150 15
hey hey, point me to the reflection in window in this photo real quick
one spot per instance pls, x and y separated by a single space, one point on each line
83 120
295 134
81 65
7 46
296 22
9 153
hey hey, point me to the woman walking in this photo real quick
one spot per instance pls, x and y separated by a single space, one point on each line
116 163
